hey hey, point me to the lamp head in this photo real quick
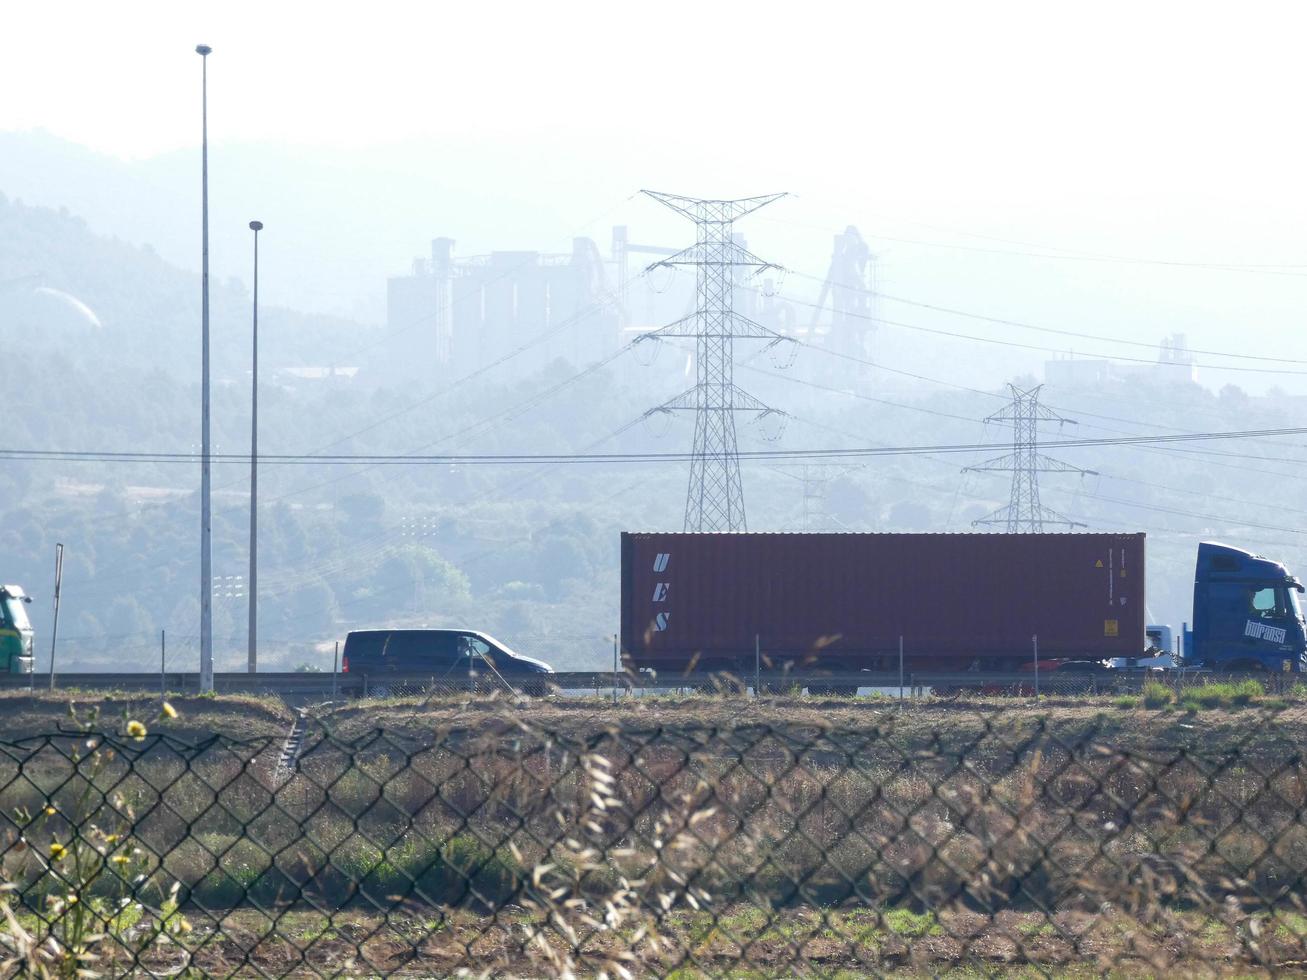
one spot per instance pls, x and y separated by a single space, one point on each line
203 49
256 226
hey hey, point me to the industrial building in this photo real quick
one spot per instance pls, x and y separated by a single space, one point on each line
455 314
465 313
1175 366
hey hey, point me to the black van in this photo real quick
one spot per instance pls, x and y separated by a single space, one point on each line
440 653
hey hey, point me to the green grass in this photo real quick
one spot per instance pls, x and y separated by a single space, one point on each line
1222 695
913 925
1126 701
1157 695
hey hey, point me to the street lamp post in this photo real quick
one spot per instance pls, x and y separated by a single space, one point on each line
256 227
206 516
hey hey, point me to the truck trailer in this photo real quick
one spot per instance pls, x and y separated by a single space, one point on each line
833 603
841 602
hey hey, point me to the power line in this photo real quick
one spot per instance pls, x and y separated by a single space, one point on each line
1036 347
1269 268
499 459
858 395
1000 321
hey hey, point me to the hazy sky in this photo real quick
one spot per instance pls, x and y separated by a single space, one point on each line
953 135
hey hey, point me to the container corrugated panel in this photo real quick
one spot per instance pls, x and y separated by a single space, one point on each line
846 598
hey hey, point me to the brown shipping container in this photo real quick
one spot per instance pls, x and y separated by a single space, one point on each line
843 600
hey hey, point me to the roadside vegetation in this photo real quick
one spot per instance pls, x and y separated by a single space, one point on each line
698 833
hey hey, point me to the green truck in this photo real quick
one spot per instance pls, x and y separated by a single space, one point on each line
15 631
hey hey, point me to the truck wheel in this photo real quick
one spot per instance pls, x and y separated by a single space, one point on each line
1247 667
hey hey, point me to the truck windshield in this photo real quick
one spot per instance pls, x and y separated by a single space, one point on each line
16 613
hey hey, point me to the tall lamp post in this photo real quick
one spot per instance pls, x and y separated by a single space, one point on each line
206 516
256 227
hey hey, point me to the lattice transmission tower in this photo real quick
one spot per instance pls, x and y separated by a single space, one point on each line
1024 512
815 479
715 498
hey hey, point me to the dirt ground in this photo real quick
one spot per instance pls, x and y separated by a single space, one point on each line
236 716
425 720
1075 719
744 942
1040 935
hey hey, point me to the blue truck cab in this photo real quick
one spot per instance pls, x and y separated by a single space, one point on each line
1246 614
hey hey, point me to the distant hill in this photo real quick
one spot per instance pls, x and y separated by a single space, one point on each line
338 222
81 295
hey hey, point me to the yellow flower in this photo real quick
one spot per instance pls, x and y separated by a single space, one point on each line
50 811
120 859
57 851
169 710
136 730
111 838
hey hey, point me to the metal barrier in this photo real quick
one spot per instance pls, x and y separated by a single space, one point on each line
969 844
322 686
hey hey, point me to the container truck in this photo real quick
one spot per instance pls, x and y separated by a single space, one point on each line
832 603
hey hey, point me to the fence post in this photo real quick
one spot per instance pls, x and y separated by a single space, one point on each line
335 669
614 668
757 666
1035 640
58 583
900 670
163 661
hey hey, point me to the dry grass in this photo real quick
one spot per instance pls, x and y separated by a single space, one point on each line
234 715
701 836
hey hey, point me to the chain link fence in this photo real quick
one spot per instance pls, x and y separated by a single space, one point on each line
926 842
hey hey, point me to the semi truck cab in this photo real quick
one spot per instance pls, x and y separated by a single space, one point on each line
1247 615
15 631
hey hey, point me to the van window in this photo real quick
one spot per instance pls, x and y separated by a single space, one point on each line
475 646
402 649
364 646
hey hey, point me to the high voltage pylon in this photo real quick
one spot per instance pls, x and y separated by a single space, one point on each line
815 479
715 497
1024 512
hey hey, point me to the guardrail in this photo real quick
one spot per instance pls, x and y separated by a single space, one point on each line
352 685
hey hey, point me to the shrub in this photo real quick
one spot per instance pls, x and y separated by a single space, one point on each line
1247 691
1127 701
1157 695
1222 695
